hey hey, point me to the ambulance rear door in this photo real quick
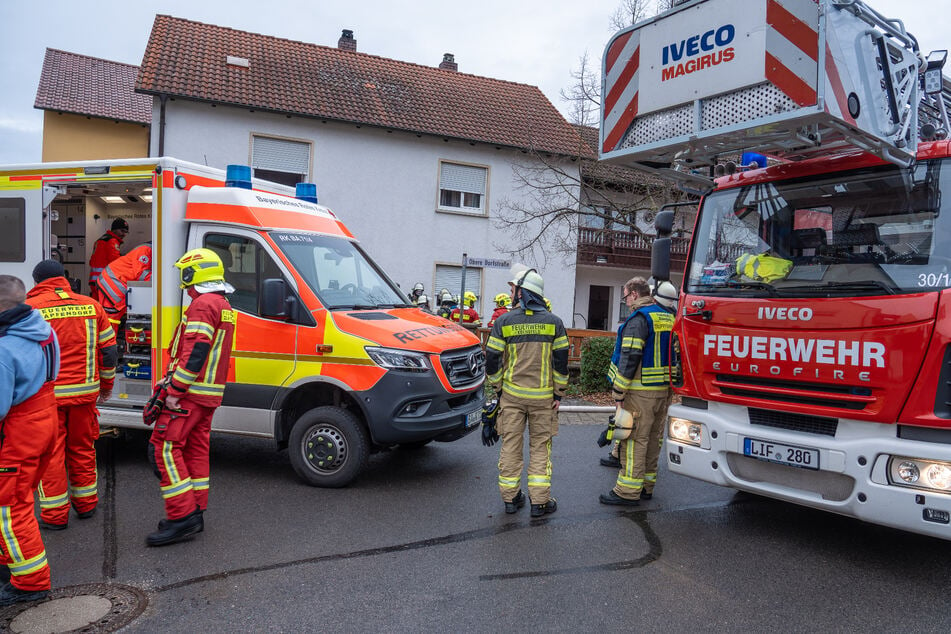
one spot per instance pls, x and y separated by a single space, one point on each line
25 221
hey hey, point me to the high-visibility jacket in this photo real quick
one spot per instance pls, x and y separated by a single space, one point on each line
641 359
87 341
115 278
469 316
105 251
201 350
527 353
498 312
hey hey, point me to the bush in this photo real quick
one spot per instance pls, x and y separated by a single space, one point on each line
595 361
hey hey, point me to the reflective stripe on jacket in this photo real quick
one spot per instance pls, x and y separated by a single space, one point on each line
527 353
641 359
115 278
105 251
201 350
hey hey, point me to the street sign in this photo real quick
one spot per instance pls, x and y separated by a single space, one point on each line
489 263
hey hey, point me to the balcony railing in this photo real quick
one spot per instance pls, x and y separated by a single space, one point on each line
603 247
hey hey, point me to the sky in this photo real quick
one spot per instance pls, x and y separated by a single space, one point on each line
536 42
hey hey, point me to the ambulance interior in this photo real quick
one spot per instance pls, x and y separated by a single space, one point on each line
78 217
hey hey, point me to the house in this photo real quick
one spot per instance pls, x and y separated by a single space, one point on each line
417 160
90 109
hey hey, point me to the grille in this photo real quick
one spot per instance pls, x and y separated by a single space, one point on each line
744 105
659 126
817 394
794 422
463 366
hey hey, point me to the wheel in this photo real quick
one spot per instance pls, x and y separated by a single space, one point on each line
328 447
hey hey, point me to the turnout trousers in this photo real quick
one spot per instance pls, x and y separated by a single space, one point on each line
70 475
28 435
178 450
640 452
542 422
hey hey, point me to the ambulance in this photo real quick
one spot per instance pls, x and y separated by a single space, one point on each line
330 359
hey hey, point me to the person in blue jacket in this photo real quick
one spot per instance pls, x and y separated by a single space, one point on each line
29 363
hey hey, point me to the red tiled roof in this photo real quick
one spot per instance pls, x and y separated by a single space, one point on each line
187 59
602 174
90 86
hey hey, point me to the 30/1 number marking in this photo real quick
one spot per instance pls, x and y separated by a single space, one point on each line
934 279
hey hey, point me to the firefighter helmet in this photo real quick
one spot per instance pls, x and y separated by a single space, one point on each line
418 286
530 280
503 299
199 266
422 300
665 294
470 298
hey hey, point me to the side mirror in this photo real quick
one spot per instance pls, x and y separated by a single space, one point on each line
273 298
664 223
660 259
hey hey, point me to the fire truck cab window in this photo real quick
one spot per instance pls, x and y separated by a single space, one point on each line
247 265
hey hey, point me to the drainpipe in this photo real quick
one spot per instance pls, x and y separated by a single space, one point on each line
161 138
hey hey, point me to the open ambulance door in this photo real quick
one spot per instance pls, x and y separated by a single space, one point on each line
25 218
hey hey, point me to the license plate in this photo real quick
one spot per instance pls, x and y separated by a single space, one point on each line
791 455
473 418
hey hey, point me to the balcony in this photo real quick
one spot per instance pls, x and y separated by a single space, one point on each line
602 247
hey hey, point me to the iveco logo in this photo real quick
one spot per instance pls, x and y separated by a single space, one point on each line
784 314
476 362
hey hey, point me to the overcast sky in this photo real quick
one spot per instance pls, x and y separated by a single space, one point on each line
537 42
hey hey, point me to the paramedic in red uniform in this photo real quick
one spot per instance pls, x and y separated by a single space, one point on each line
136 265
200 354
29 360
105 251
87 370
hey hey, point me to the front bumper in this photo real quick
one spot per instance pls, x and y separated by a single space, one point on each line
406 407
852 479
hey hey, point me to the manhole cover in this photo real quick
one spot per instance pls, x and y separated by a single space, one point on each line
89 608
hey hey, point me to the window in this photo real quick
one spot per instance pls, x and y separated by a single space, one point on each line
462 187
247 265
450 278
13 236
280 160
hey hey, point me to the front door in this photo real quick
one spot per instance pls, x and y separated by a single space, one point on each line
598 305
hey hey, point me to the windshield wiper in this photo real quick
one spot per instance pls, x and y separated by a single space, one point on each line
355 307
743 284
864 285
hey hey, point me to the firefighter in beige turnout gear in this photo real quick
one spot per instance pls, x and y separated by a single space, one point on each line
527 362
640 376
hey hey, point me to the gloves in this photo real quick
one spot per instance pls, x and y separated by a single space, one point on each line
608 434
490 412
156 404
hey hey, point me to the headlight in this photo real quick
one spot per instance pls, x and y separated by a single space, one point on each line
393 359
686 431
920 474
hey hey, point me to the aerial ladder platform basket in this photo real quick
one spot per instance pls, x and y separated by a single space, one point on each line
791 79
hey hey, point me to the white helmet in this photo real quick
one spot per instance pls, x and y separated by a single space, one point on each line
529 279
422 299
666 295
418 286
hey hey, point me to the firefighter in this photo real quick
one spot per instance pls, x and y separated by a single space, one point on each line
136 265
640 375
195 381
502 303
418 290
105 251
87 372
527 362
29 361
465 313
422 302
445 304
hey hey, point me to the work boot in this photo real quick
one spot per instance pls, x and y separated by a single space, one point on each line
53 527
177 530
84 515
646 496
517 502
616 500
541 509
165 523
10 594
611 461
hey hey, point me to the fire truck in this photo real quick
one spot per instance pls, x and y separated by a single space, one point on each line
330 359
812 345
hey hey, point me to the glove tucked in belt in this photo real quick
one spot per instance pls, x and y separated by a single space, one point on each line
490 412
155 405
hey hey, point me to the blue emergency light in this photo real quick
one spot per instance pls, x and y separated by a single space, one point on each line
238 176
307 191
749 158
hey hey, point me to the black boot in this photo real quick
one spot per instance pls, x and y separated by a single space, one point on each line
177 530
165 523
10 594
517 502
611 461
541 509
85 515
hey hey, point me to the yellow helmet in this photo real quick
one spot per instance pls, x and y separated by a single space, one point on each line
200 265
470 298
503 299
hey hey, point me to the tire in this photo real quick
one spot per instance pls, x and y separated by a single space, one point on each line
328 447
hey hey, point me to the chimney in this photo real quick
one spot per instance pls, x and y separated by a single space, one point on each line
448 62
346 41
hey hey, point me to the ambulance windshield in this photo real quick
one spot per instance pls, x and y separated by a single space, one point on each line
868 232
342 276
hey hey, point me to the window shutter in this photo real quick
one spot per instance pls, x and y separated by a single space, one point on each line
450 277
280 155
462 178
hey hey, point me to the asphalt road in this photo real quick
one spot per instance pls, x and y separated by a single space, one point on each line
421 543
